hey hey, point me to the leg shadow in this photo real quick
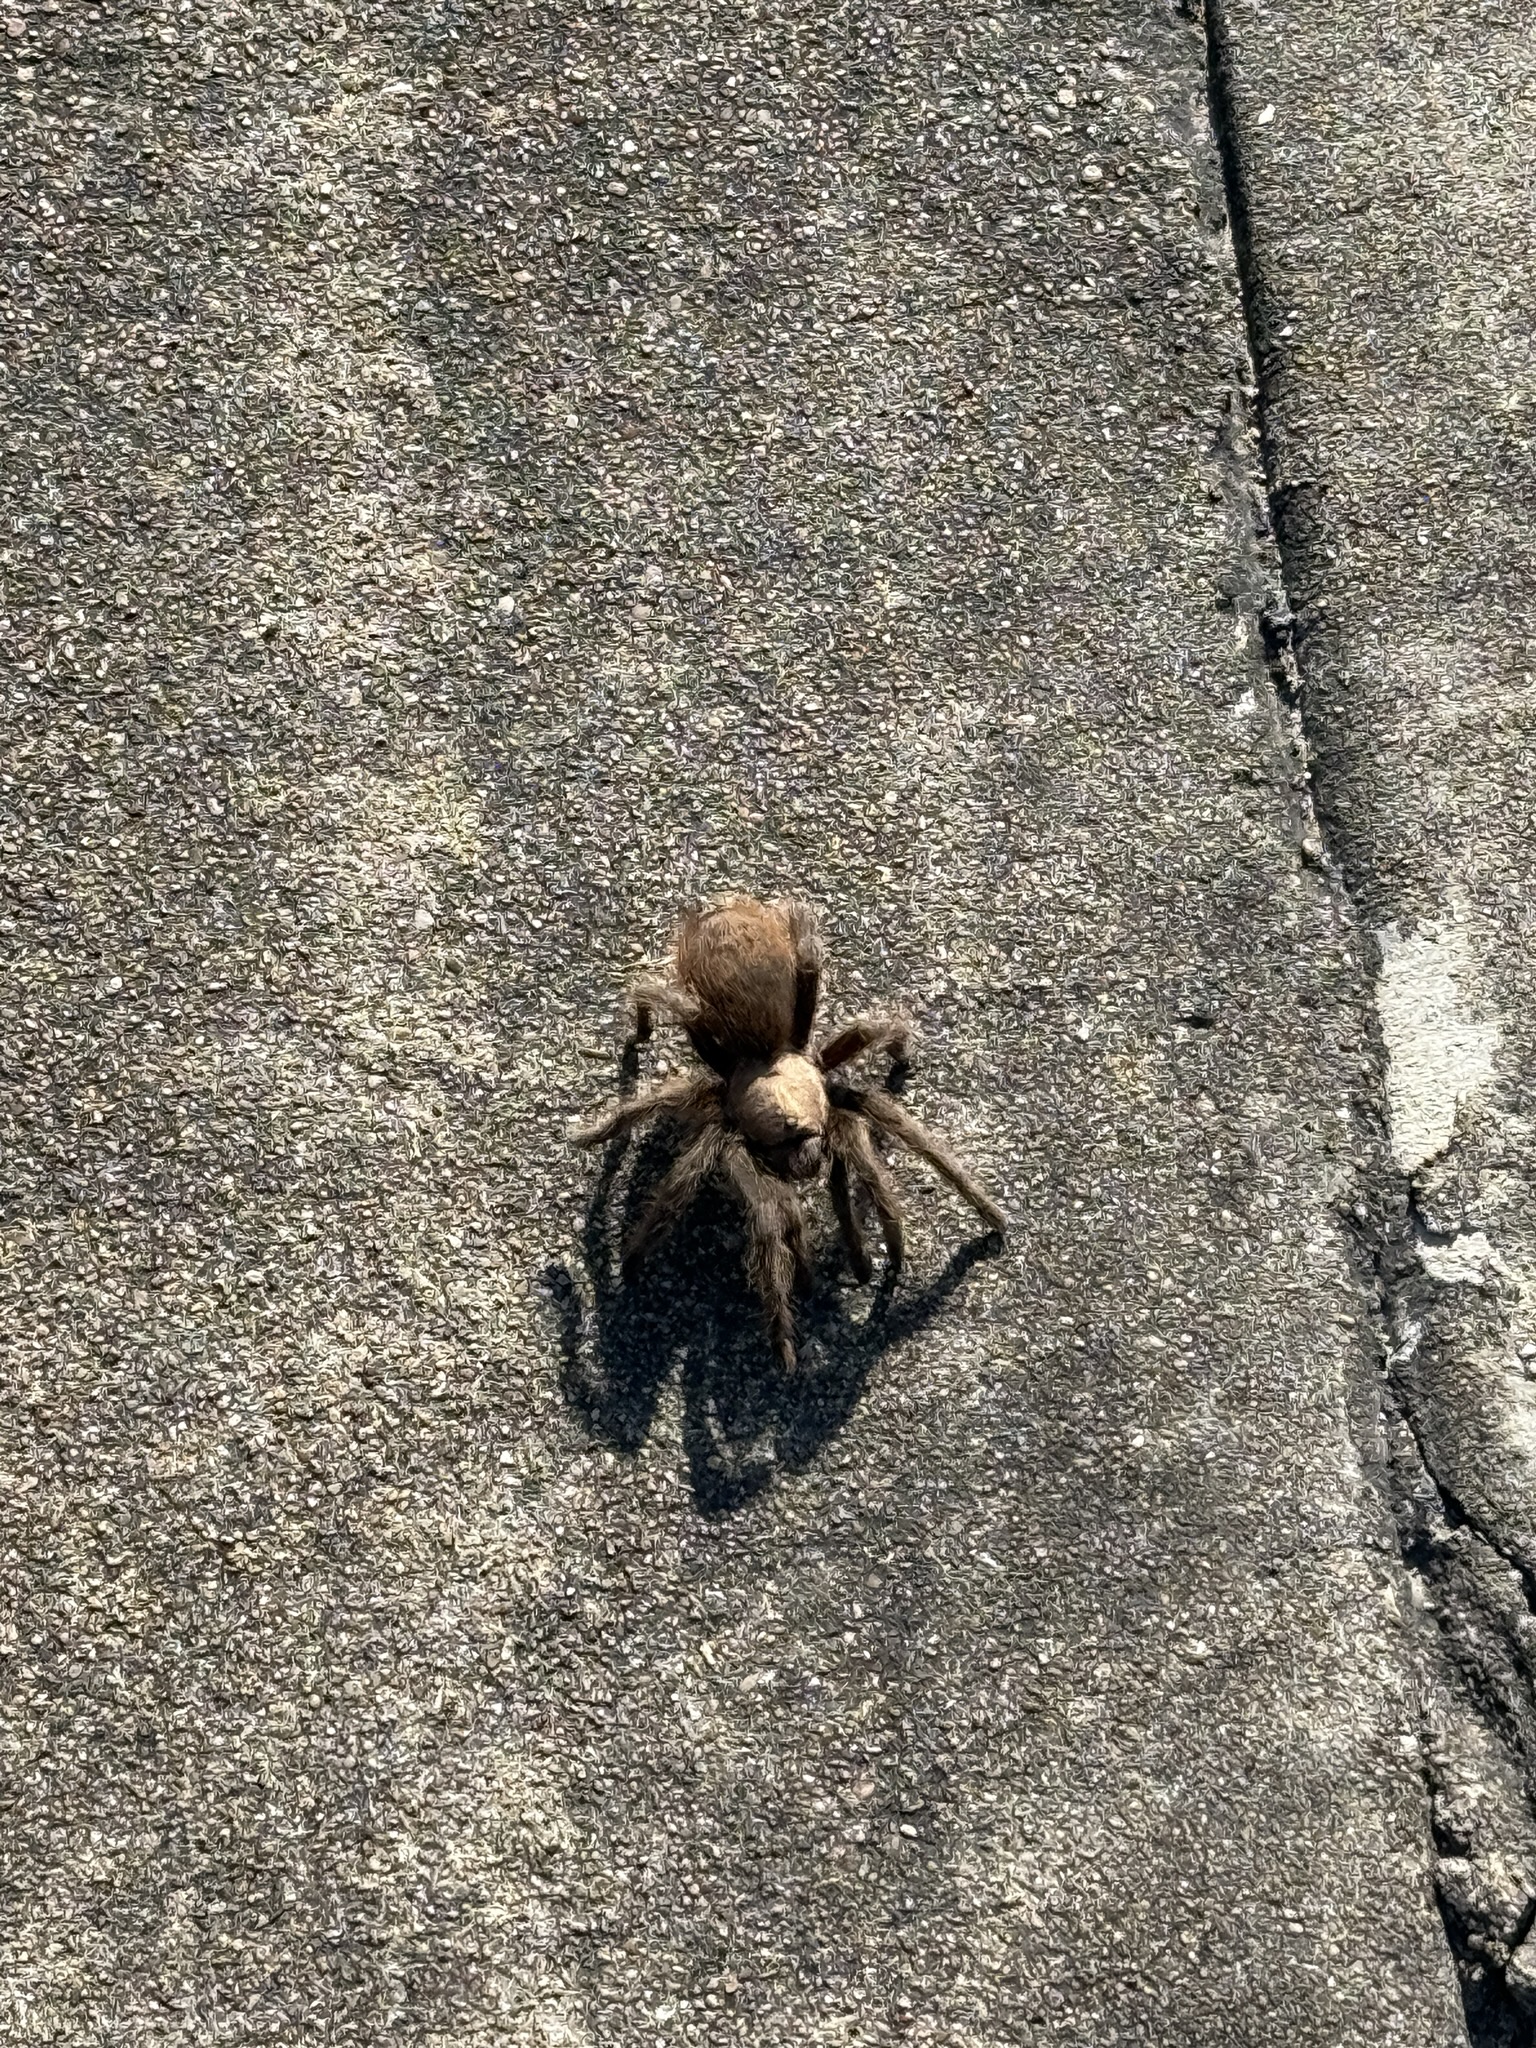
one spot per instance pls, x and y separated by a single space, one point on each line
691 1310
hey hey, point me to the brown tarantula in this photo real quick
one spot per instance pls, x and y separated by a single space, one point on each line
764 1118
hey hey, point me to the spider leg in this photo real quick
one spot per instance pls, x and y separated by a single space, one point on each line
688 1096
794 1232
652 996
872 1033
800 921
888 1114
847 1221
770 1257
856 1146
676 1190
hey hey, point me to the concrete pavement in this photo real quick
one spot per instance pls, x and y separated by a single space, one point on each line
1390 225
475 483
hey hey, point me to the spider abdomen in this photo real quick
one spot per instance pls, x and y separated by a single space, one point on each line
738 959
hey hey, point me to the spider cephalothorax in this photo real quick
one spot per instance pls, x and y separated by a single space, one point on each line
764 1117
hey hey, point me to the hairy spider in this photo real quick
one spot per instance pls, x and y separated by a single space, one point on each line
764 1118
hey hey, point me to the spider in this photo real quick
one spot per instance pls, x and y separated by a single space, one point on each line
764 1117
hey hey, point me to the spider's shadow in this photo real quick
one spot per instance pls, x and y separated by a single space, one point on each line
691 1308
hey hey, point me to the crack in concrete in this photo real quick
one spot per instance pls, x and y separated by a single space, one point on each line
1459 1568
1427 1058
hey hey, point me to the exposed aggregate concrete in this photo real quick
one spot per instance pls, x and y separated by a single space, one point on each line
472 483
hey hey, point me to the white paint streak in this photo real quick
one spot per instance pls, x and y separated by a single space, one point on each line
1437 1053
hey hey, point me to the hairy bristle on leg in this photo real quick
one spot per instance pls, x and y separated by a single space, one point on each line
800 921
885 1112
793 1216
847 1221
652 998
677 1190
866 1034
872 1170
770 1260
688 1097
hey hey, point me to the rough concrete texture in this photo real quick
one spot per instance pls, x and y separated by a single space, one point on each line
1382 160
474 481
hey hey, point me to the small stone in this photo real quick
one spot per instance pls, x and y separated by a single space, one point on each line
1266 117
1091 174
424 919
15 26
